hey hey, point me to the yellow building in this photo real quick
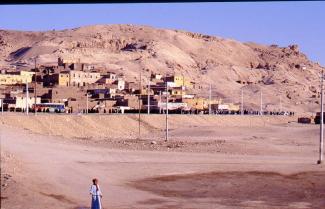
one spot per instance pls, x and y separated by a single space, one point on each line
180 80
197 103
64 79
12 79
200 103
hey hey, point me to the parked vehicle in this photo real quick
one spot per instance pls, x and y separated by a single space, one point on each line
317 118
304 120
49 107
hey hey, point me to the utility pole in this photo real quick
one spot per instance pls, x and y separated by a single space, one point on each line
87 103
149 96
1 100
166 112
139 106
321 140
210 99
183 86
27 97
261 111
35 85
280 104
159 102
242 102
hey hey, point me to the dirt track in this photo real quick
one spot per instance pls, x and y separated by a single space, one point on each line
256 167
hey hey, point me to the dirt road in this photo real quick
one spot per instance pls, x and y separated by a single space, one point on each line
56 172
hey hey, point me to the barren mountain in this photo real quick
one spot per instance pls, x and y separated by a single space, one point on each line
285 75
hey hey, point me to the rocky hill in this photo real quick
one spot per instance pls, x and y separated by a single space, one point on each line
282 73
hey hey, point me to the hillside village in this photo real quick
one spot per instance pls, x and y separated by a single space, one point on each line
75 87
105 62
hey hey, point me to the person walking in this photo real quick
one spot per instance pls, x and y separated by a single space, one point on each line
96 195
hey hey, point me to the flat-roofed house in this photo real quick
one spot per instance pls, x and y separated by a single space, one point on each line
108 78
20 102
64 78
81 78
16 78
120 84
179 80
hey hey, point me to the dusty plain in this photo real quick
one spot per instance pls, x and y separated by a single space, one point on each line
48 161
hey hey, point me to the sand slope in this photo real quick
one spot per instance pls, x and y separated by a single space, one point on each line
127 126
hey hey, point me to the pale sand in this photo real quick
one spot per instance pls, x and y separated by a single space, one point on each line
56 172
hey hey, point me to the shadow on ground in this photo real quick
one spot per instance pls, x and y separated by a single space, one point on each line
241 188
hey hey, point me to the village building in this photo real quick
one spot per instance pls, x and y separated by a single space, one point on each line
105 106
120 84
172 105
64 78
20 102
178 81
228 107
156 78
178 91
197 103
102 93
80 78
108 78
12 78
131 87
131 101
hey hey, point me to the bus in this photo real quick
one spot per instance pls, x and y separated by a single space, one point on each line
49 107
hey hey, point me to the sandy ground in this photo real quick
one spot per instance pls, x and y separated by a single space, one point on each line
208 163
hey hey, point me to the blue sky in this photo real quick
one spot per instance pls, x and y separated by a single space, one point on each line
281 23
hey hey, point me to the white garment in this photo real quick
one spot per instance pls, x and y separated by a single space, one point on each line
93 190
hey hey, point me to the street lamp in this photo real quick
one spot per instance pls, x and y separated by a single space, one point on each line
321 140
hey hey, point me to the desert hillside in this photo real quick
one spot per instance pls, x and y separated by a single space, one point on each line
285 75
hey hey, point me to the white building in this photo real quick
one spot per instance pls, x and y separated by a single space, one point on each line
120 84
80 78
172 105
21 101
